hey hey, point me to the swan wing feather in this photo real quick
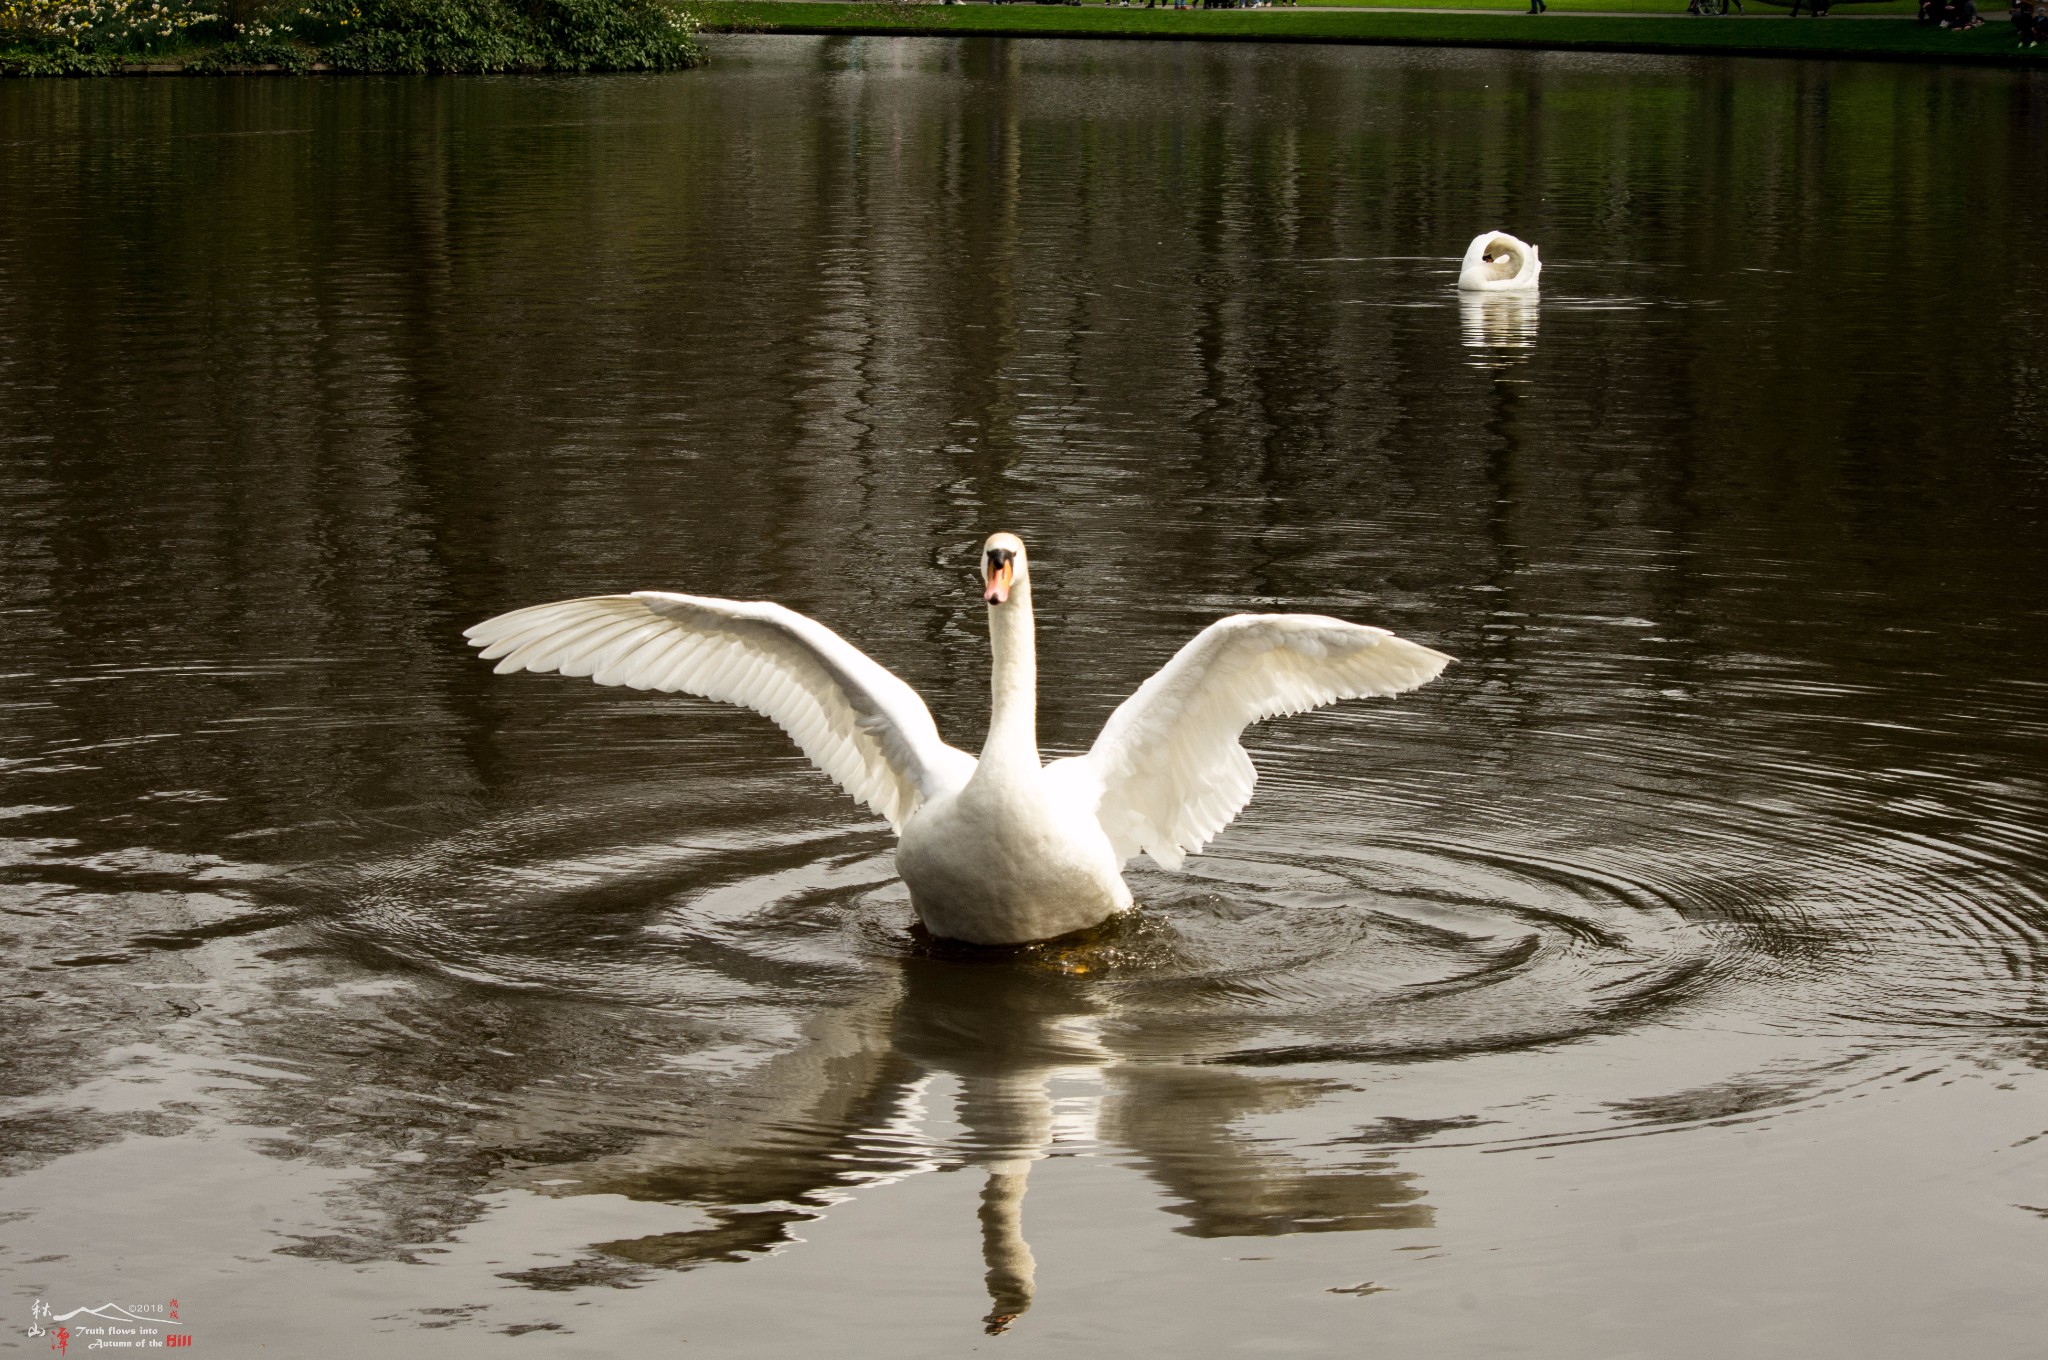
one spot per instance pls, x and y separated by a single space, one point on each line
855 720
1168 770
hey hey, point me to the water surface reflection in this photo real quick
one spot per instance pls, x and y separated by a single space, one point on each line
1687 938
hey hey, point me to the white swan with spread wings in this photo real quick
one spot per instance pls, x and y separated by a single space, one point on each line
1004 849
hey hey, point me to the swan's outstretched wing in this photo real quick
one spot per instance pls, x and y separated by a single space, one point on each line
1168 765
856 721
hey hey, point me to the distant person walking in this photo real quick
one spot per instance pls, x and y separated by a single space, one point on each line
1538 6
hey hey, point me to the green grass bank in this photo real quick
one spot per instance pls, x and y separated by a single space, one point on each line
1764 32
1668 9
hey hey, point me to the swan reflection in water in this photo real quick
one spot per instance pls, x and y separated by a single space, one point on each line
1499 321
1032 1053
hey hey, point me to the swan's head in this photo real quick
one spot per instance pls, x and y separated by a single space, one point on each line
1002 562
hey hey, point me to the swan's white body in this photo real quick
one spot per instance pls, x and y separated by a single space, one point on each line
1496 262
1003 849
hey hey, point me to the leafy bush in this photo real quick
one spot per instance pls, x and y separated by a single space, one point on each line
60 61
67 37
615 35
265 49
502 35
51 26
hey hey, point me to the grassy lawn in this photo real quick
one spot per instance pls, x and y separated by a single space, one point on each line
1774 36
1753 8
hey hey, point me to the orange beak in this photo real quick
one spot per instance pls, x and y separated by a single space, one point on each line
999 578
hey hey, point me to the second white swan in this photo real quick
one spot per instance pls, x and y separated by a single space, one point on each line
1003 849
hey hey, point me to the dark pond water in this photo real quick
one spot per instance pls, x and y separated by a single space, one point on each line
1666 980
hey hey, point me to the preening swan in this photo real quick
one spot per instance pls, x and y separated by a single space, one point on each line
1496 262
1003 849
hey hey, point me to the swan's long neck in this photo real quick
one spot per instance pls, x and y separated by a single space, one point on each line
1013 724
